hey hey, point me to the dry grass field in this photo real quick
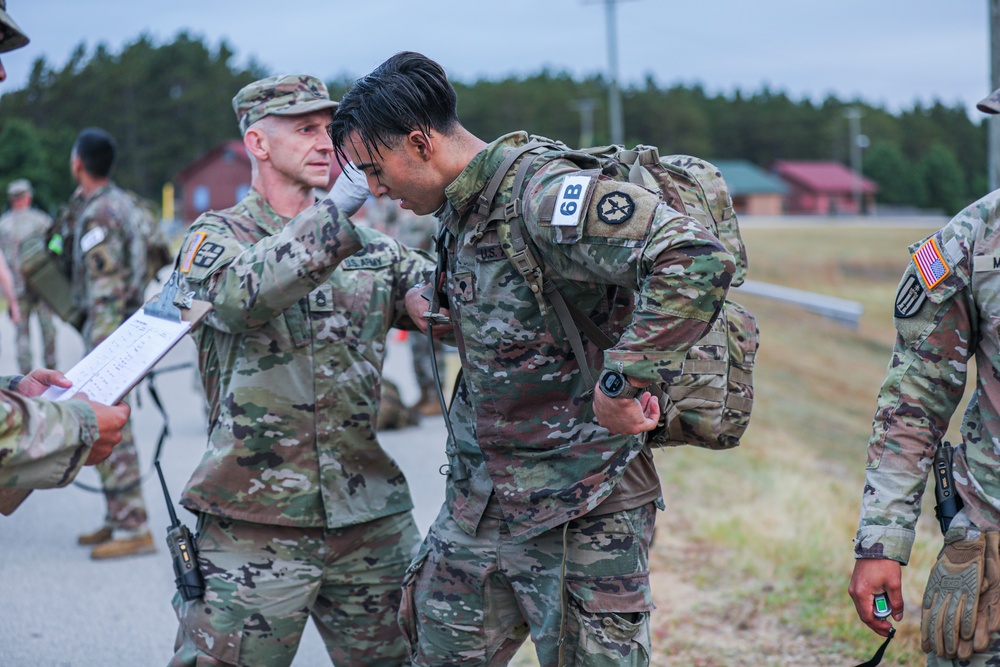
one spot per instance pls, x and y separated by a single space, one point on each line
754 553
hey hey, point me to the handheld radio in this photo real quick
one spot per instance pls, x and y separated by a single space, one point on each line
187 576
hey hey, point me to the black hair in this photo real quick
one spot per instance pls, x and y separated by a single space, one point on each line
97 150
407 92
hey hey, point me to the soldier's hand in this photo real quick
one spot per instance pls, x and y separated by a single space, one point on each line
15 312
626 416
110 422
871 577
951 599
416 307
40 379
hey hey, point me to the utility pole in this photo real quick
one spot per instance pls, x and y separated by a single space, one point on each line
586 108
858 141
614 95
993 122
617 124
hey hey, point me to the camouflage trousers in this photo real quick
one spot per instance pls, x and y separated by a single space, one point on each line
991 658
263 582
32 304
120 480
474 600
423 365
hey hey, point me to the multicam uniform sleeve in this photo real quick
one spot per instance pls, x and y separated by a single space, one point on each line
414 266
43 444
249 286
626 236
924 384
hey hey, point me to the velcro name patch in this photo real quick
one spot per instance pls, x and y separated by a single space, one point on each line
981 263
91 239
571 201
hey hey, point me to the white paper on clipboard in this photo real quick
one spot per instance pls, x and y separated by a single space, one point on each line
122 359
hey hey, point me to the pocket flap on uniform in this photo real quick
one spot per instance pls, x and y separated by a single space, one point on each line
213 631
621 595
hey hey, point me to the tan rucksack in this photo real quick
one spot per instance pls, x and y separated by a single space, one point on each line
709 405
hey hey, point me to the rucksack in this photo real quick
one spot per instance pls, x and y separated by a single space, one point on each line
709 405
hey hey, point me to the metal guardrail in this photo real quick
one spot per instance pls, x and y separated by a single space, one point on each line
844 311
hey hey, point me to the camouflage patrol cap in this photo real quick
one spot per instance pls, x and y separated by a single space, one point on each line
11 35
991 104
285 95
19 186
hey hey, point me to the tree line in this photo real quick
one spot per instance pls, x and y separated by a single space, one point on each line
168 103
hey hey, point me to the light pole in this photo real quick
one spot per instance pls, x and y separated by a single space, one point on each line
586 108
615 120
993 122
858 141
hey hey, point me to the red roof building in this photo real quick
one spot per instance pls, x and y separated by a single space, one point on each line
220 178
216 180
824 188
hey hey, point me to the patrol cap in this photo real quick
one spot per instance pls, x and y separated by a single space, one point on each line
11 35
284 95
19 186
991 104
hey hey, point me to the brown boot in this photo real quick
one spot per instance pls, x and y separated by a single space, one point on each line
99 536
430 408
124 544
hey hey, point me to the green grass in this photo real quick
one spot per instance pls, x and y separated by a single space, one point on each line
782 509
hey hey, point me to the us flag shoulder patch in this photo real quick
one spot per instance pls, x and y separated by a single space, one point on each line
930 262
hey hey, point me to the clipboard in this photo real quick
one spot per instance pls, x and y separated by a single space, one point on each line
118 364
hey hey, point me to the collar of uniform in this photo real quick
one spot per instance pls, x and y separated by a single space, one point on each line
265 216
462 193
99 191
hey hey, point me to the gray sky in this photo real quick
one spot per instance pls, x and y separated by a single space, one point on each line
888 52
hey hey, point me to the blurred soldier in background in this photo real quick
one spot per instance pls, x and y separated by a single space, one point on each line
301 512
43 443
947 313
109 265
20 223
413 231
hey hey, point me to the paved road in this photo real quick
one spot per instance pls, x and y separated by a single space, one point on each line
58 608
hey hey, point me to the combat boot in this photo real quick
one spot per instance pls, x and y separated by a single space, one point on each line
429 404
99 536
124 543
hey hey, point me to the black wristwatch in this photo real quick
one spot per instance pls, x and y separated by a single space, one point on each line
615 385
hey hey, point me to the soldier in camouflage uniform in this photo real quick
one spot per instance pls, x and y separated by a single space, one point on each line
107 270
20 223
42 443
551 493
301 512
945 315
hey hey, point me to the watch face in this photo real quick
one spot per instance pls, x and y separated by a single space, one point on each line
612 383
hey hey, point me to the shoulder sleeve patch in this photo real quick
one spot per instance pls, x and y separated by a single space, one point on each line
931 263
620 210
191 250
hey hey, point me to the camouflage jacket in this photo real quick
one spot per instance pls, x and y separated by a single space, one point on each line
946 313
107 258
523 417
291 358
43 444
15 228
